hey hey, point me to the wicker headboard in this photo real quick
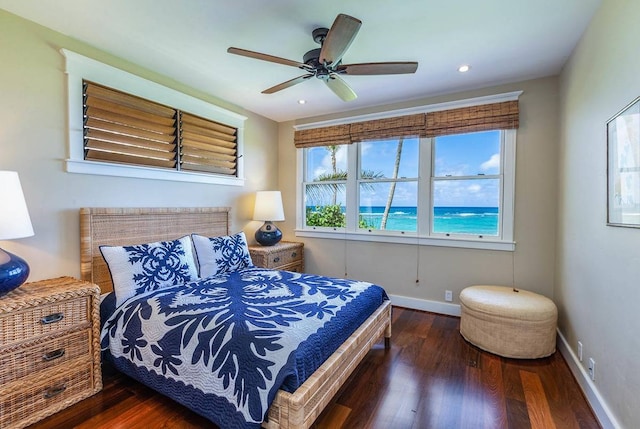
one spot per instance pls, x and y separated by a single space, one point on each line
127 226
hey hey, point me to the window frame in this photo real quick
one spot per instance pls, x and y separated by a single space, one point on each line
424 236
79 68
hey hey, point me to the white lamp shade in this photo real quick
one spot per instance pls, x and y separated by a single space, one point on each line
14 216
268 206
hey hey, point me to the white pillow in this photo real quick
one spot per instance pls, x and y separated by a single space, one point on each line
225 254
145 267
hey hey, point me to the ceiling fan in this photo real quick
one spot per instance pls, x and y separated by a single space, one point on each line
325 63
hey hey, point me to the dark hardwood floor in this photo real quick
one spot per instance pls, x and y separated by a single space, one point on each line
430 378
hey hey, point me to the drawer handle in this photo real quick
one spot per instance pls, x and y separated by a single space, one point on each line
276 259
54 391
294 254
52 318
53 355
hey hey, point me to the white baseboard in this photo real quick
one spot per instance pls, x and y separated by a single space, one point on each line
598 405
426 305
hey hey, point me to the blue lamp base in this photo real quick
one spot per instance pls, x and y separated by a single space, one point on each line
13 271
268 234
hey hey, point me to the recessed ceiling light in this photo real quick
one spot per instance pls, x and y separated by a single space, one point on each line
464 68
302 101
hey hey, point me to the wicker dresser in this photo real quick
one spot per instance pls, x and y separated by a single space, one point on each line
286 256
49 349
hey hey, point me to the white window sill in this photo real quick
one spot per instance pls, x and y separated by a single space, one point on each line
107 169
409 238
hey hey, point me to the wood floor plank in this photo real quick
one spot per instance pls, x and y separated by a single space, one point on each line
537 405
517 415
495 398
430 378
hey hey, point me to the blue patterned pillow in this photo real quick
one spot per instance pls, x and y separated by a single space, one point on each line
219 255
144 267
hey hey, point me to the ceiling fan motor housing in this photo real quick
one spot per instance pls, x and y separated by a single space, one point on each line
312 58
319 34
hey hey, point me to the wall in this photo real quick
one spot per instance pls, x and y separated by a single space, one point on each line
398 266
598 266
33 141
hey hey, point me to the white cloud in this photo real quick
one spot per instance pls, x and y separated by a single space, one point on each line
474 188
493 162
325 166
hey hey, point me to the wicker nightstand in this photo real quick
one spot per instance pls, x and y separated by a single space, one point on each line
49 349
286 256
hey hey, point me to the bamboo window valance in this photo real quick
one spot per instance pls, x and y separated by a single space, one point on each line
126 129
325 136
496 116
400 126
485 117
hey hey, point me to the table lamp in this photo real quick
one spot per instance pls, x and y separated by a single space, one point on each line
269 209
14 223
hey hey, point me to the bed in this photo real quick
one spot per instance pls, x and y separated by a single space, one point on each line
302 404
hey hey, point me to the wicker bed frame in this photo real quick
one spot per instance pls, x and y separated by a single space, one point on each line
126 226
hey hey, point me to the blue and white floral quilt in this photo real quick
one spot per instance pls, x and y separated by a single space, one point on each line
224 345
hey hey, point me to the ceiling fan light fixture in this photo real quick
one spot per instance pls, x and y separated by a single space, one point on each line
464 68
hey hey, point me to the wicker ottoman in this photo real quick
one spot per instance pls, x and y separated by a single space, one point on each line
512 324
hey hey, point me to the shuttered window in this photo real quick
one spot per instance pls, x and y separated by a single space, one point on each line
125 129
207 146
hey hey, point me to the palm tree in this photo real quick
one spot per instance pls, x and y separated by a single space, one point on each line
319 190
392 188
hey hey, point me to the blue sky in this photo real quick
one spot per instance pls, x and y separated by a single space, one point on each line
459 155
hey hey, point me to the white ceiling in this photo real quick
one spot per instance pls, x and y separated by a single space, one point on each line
503 41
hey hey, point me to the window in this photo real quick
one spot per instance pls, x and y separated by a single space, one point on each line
466 184
454 189
325 186
123 125
388 185
124 129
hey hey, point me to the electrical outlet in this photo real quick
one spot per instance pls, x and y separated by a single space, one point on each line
592 369
580 351
448 295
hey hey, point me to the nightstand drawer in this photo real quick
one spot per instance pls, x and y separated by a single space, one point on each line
25 325
25 402
42 355
296 267
284 257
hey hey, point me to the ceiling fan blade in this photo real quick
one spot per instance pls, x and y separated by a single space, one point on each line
378 68
340 88
266 57
287 84
339 37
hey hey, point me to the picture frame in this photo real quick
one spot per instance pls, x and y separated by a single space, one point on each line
623 167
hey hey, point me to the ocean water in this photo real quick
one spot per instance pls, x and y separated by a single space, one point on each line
453 220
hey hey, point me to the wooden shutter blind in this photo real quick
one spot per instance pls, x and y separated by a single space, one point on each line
122 128
485 117
126 129
207 146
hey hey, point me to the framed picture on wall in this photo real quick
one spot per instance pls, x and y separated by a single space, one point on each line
623 167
